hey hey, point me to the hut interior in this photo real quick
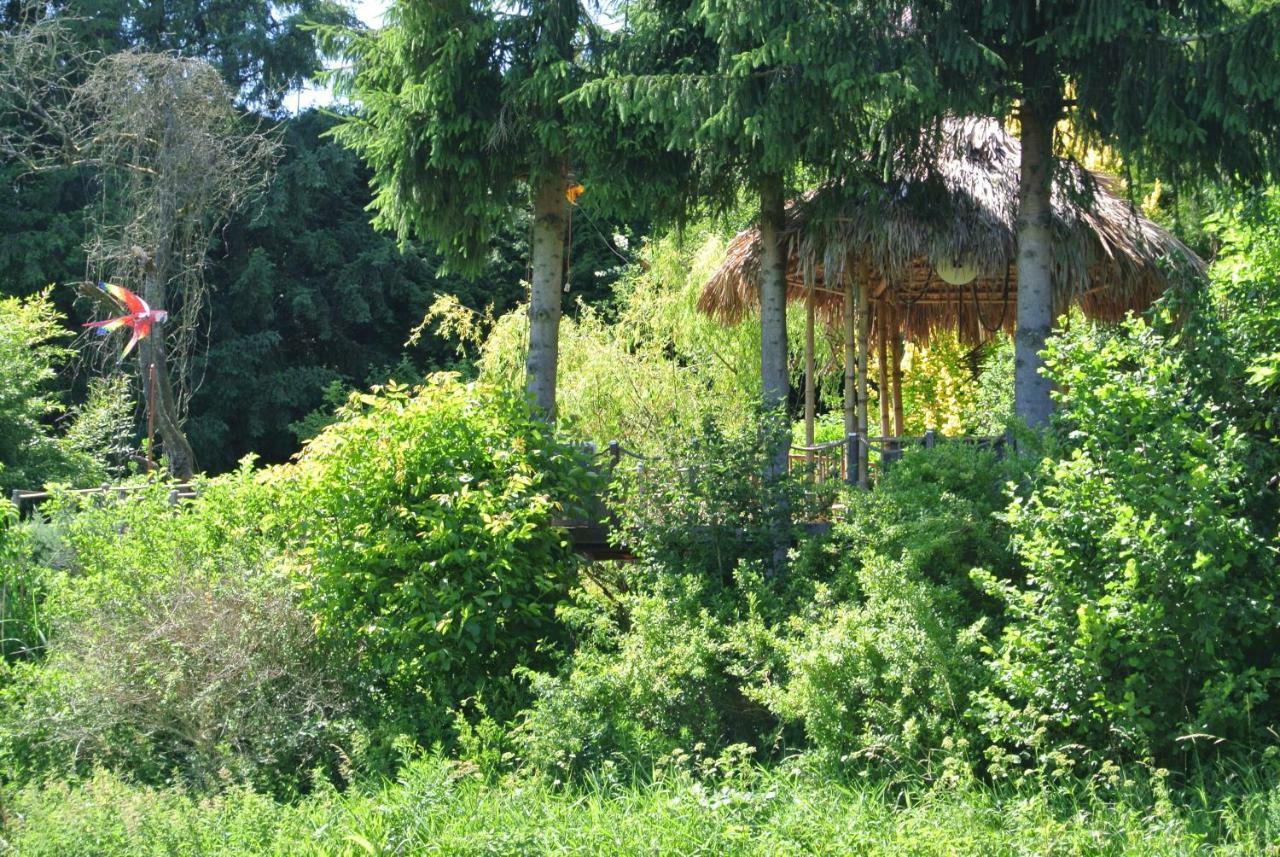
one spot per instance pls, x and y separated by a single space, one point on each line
935 249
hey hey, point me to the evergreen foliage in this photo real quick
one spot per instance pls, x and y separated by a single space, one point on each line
1188 89
262 49
460 114
459 107
750 94
306 293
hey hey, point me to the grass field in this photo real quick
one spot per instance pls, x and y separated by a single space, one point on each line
437 808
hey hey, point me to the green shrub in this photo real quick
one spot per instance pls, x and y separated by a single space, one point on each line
212 683
423 523
172 644
177 647
660 682
31 452
935 510
23 582
702 507
119 550
1148 611
879 665
884 677
664 645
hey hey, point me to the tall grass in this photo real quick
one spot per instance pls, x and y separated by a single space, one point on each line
438 807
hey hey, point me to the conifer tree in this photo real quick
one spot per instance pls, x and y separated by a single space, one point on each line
458 112
1188 89
746 94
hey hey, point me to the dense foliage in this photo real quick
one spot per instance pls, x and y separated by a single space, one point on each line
41 440
423 521
442 806
1146 613
1063 638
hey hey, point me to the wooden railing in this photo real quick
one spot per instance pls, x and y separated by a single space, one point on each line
178 491
838 459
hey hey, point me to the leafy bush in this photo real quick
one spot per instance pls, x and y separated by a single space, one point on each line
883 677
1148 611
31 452
659 681
177 647
23 629
936 511
1246 290
664 644
423 525
881 662
210 682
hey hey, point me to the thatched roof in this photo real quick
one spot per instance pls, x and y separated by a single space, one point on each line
1107 257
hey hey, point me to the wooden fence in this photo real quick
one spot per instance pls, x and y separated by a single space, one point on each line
26 499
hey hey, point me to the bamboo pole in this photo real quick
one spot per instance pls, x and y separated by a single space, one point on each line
864 335
882 324
897 380
810 384
850 395
151 417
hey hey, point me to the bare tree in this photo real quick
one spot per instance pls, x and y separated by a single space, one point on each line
173 157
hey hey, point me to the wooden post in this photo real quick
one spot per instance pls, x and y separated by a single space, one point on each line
899 430
850 396
882 324
151 417
864 335
810 384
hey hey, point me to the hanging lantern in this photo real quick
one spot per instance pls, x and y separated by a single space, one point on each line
956 273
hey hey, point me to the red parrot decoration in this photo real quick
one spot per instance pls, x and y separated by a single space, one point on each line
139 319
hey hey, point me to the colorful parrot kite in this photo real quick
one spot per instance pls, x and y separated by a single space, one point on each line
139 319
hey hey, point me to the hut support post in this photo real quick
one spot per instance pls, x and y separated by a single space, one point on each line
898 427
810 383
850 419
850 360
882 394
864 335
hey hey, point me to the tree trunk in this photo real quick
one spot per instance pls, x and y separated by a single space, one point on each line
773 307
1031 388
550 221
151 351
773 359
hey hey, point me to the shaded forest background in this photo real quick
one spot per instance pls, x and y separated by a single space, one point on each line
306 299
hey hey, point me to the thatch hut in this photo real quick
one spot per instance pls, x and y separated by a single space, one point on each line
935 249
